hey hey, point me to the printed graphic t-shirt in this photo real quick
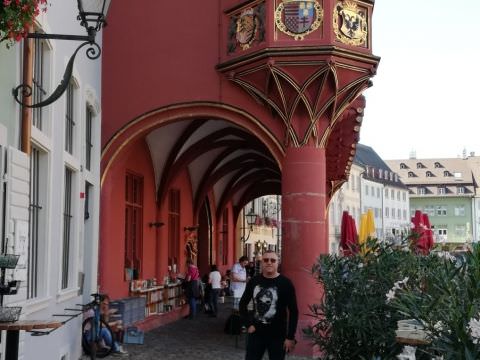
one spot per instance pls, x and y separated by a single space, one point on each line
271 300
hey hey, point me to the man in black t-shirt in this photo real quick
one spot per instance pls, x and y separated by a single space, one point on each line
273 323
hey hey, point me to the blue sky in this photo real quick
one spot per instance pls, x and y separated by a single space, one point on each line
426 94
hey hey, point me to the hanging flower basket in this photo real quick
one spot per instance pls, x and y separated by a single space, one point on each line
16 17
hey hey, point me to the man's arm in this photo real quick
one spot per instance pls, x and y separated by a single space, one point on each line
292 312
245 317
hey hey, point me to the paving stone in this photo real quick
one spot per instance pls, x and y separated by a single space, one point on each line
202 338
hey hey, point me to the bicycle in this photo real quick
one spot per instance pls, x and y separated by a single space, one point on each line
97 337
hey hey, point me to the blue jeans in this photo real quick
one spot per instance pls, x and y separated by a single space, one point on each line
106 336
192 301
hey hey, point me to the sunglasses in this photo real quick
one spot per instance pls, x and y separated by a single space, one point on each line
271 260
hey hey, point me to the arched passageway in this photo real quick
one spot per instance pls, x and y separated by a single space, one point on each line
196 166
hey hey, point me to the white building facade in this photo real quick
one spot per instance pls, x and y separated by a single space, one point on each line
371 185
51 216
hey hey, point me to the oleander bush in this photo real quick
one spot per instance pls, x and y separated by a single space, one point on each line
367 293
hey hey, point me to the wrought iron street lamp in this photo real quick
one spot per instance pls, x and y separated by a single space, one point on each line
91 14
251 219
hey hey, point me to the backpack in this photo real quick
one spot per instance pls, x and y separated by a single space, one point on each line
233 325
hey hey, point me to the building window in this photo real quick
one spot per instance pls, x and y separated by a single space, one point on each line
39 90
88 196
173 226
398 195
133 223
429 210
442 190
421 190
373 191
442 233
404 196
69 118
411 174
366 189
224 238
399 214
386 193
88 137
378 192
67 228
392 194
393 213
37 238
429 174
441 210
387 212
404 214
461 190
437 165
447 173
380 173
459 230
403 166
459 210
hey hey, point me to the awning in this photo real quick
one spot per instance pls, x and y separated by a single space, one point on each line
263 233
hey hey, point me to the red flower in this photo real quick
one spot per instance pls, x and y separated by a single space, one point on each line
7 2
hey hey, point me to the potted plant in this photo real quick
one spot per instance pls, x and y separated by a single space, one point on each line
16 17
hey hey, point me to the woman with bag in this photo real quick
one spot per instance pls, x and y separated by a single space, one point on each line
192 290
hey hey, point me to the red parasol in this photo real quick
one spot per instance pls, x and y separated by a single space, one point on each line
422 233
348 234
428 232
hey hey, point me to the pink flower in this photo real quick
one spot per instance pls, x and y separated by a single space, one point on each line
7 2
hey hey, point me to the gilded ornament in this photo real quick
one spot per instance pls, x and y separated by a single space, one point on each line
350 23
247 24
298 18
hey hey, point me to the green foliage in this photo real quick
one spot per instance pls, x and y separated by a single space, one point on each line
355 320
445 301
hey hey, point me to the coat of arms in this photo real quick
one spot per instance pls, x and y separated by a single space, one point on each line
350 23
298 18
247 24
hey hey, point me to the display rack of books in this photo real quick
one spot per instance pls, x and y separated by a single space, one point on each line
160 298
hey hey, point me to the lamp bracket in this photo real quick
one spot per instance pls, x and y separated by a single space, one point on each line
93 52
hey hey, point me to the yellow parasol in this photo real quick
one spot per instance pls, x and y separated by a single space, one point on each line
370 226
362 231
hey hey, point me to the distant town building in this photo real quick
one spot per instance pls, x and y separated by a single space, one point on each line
448 191
371 185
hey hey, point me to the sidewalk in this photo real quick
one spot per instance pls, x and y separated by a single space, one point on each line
200 339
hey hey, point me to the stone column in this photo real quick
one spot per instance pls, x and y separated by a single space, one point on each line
304 223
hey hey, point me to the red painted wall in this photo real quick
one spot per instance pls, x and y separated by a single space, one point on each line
137 160
166 54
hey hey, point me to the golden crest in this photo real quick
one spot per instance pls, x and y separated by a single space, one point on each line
298 18
350 23
247 25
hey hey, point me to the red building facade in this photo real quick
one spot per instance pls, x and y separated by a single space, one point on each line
208 105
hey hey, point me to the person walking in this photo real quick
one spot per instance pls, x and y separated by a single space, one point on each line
214 279
238 280
192 290
273 322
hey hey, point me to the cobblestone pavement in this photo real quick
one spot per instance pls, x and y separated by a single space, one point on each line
199 339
